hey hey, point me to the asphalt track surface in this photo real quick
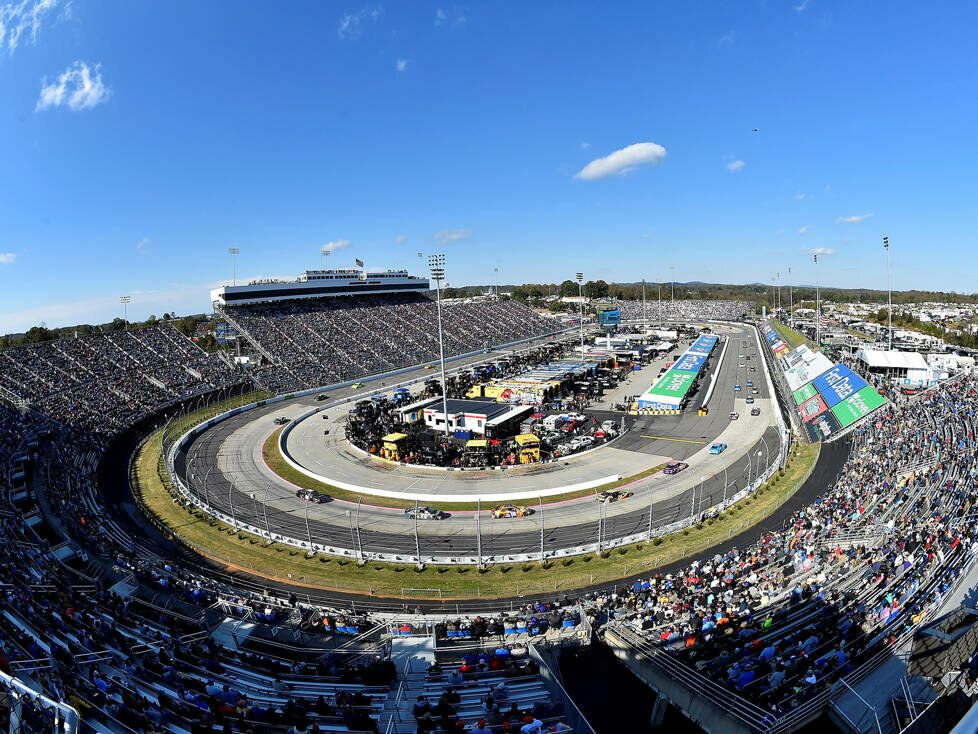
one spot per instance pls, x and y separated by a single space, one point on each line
233 480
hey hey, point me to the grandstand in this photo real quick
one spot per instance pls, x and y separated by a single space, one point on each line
104 632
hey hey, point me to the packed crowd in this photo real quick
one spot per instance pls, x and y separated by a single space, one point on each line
683 310
105 382
322 341
868 560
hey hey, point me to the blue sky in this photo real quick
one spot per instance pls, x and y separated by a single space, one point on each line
138 141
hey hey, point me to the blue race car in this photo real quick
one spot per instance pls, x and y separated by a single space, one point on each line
718 448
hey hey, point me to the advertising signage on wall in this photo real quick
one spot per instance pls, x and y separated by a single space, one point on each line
858 405
813 408
837 384
690 362
805 392
673 384
822 427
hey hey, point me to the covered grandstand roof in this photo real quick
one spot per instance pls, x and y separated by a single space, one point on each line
892 359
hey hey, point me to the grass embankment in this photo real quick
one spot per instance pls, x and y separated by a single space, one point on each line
277 463
789 336
247 552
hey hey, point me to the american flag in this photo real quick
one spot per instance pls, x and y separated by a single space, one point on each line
823 319
359 263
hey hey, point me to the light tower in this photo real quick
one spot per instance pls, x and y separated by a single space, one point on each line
580 301
436 264
818 311
125 301
232 251
889 291
325 251
420 265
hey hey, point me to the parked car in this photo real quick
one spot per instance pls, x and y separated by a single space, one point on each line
311 495
614 495
425 513
674 467
510 511
718 448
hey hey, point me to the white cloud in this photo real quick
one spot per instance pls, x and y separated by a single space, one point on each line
853 219
623 161
804 229
821 251
18 18
799 197
735 166
827 187
585 146
801 8
400 239
727 38
402 64
8 258
442 19
447 236
351 24
142 243
335 245
80 87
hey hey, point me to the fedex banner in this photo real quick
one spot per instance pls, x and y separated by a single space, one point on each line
837 384
690 362
858 406
813 408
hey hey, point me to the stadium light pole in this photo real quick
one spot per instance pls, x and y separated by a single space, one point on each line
420 265
757 474
496 276
308 533
580 302
648 486
232 251
767 455
264 505
207 499
724 484
660 303
791 303
645 315
231 505
325 251
889 290
417 536
818 315
436 264
125 301
478 532
541 527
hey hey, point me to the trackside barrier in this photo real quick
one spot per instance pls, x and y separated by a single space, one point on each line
355 550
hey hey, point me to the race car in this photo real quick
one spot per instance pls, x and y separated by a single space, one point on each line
755 411
356 385
426 513
311 495
750 399
718 448
736 388
674 467
509 511
615 495
281 420
322 396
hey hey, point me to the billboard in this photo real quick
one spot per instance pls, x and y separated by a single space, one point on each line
858 405
611 317
672 384
807 370
837 384
690 362
704 344
812 408
823 426
805 392
225 333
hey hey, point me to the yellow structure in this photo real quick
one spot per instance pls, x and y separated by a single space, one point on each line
529 447
393 448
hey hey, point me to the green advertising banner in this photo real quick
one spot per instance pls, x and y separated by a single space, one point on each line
805 392
858 405
673 383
